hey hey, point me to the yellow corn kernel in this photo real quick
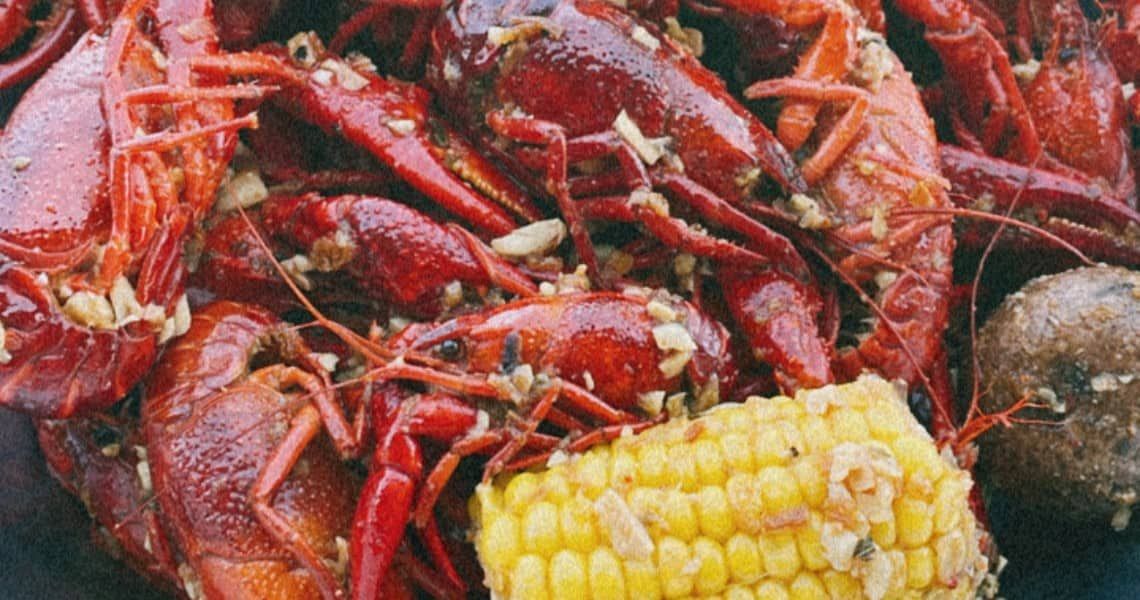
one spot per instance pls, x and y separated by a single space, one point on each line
520 493
918 457
744 561
793 438
780 489
499 543
743 493
949 493
676 567
653 465
886 422
841 585
710 463
577 519
817 435
737 457
806 586
738 592
698 507
771 590
606 577
809 544
915 521
812 477
528 578
591 472
781 557
540 531
848 425
623 470
682 468
884 534
680 518
641 579
568 577
770 449
919 567
714 513
647 505
712 575
555 489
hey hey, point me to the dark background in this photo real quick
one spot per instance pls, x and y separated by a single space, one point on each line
46 549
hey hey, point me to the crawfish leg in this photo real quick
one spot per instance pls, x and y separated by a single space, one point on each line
776 310
529 130
827 61
840 137
378 528
305 425
1084 215
385 505
499 272
671 231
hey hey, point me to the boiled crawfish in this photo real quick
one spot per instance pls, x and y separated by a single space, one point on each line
507 71
582 362
398 256
115 226
233 412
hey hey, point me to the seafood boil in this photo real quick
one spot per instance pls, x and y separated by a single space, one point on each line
565 298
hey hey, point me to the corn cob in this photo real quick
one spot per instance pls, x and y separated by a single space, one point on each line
836 493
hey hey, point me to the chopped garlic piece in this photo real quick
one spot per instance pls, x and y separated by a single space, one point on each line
642 36
661 312
807 209
652 402
673 336
402 127
348 78
628 535
535 239
91 310
649 149
654 201
243 190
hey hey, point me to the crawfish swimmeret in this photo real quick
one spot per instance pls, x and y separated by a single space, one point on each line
316 273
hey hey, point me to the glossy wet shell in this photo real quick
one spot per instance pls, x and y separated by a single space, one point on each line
210 430
1072 340
58 127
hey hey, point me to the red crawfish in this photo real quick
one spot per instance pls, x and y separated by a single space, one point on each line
572 361
101 459
253 495
394 254
882 161
92 281
560 85
1044 141
391 120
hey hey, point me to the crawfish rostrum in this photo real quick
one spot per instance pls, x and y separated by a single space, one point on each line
277 310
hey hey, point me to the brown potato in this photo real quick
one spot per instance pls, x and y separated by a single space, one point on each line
1070 341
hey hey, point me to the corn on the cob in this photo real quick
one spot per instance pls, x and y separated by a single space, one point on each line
836 493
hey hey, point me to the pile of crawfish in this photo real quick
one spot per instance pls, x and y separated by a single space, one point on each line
281 280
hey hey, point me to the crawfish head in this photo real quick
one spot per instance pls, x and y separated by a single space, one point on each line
620 347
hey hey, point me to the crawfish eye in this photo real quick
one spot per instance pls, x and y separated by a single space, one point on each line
450 349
